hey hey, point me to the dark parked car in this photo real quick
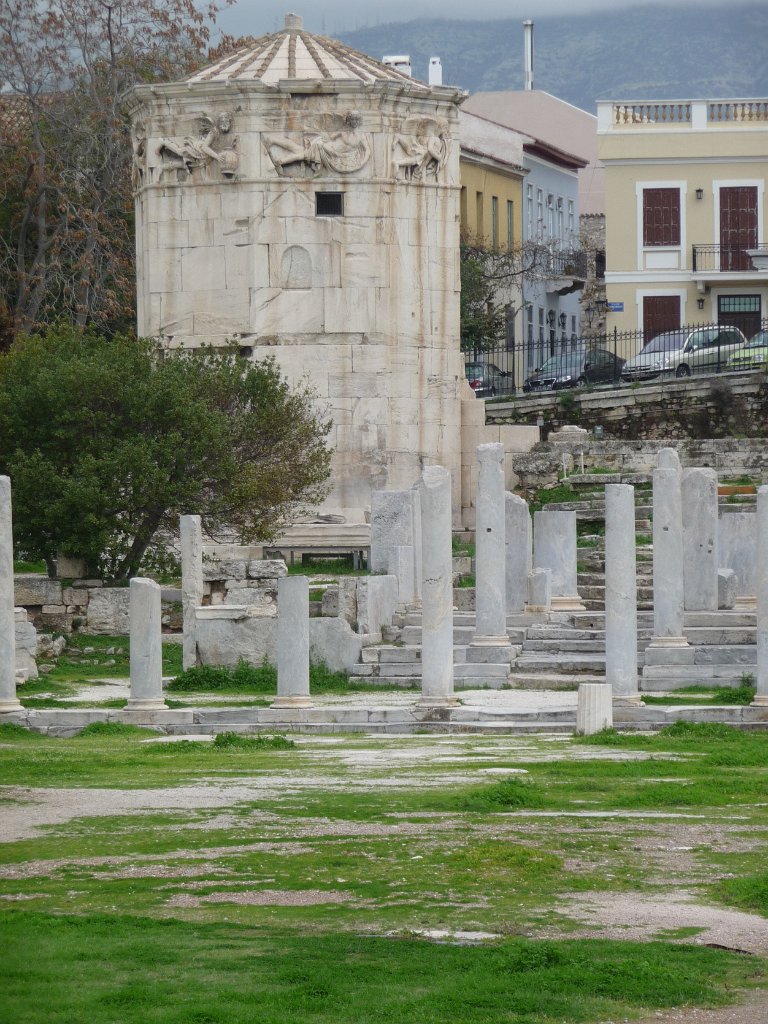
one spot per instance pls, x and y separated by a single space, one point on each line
486 379
575 367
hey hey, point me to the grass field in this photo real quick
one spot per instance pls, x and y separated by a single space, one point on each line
351 879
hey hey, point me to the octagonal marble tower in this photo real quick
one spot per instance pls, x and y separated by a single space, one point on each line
304 199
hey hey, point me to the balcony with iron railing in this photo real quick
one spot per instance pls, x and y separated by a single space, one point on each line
723 259
566 269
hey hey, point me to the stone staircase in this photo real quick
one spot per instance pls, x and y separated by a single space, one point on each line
556 655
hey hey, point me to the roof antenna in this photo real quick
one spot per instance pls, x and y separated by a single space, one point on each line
528 55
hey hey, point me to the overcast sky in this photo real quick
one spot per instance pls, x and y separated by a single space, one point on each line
256 17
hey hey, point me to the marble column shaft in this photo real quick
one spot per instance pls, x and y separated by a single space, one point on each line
146 646
519 552
490 543
292 642
191 537
761 694
699 503
620 592
668 585
436 589
8 699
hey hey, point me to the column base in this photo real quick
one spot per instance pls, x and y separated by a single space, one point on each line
760 701
490 640
139 704
675 653
7 707
491 650
439 702
287 703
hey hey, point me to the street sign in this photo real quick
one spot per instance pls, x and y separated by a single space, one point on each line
615 307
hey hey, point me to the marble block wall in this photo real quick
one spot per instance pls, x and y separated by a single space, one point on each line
364 304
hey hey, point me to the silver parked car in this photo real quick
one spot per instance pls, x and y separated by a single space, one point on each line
683 352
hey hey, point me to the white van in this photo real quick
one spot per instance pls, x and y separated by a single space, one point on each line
683 352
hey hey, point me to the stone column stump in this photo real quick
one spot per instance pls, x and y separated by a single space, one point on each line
761 694
436 590
8 699
594 708
292 643
146 647
621 594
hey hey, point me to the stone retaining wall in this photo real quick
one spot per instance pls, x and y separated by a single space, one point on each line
721 406
59 607
731 457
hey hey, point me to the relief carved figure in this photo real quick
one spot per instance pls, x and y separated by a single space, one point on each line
339 152
139 161
211 147
421 151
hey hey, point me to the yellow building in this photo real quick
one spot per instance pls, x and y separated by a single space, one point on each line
491 182
491 174
685 189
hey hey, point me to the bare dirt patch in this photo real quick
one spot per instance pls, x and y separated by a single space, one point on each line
753 1010
268 898
640 917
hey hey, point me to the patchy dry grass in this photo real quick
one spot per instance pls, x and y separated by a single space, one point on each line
229 880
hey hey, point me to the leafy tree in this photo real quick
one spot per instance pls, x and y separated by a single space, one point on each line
66 209
491 278
108 441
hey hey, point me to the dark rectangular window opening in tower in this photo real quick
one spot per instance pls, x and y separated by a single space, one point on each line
329 204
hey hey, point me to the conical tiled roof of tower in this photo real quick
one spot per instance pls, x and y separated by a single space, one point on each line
295 54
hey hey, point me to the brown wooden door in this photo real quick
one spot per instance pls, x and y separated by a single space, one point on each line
660 313
738 226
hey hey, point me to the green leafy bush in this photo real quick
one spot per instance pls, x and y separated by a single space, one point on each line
239 741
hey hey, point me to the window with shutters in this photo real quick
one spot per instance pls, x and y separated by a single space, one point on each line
661 216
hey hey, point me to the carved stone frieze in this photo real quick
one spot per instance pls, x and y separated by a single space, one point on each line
139 161
420 151
190 157
313 152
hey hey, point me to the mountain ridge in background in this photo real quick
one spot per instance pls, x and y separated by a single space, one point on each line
644 53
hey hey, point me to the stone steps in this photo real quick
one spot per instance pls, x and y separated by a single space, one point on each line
675 677
567 662
523 680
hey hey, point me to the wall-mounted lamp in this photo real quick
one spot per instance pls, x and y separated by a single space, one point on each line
700 303
563 320
551 317
699 193
595 309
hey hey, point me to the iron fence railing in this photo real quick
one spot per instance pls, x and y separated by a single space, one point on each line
616 358
722 258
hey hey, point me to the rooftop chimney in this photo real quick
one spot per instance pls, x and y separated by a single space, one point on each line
435 71
528 55
401 62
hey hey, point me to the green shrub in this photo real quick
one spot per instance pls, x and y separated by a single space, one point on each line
239 741
508 794
112 729
247 678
